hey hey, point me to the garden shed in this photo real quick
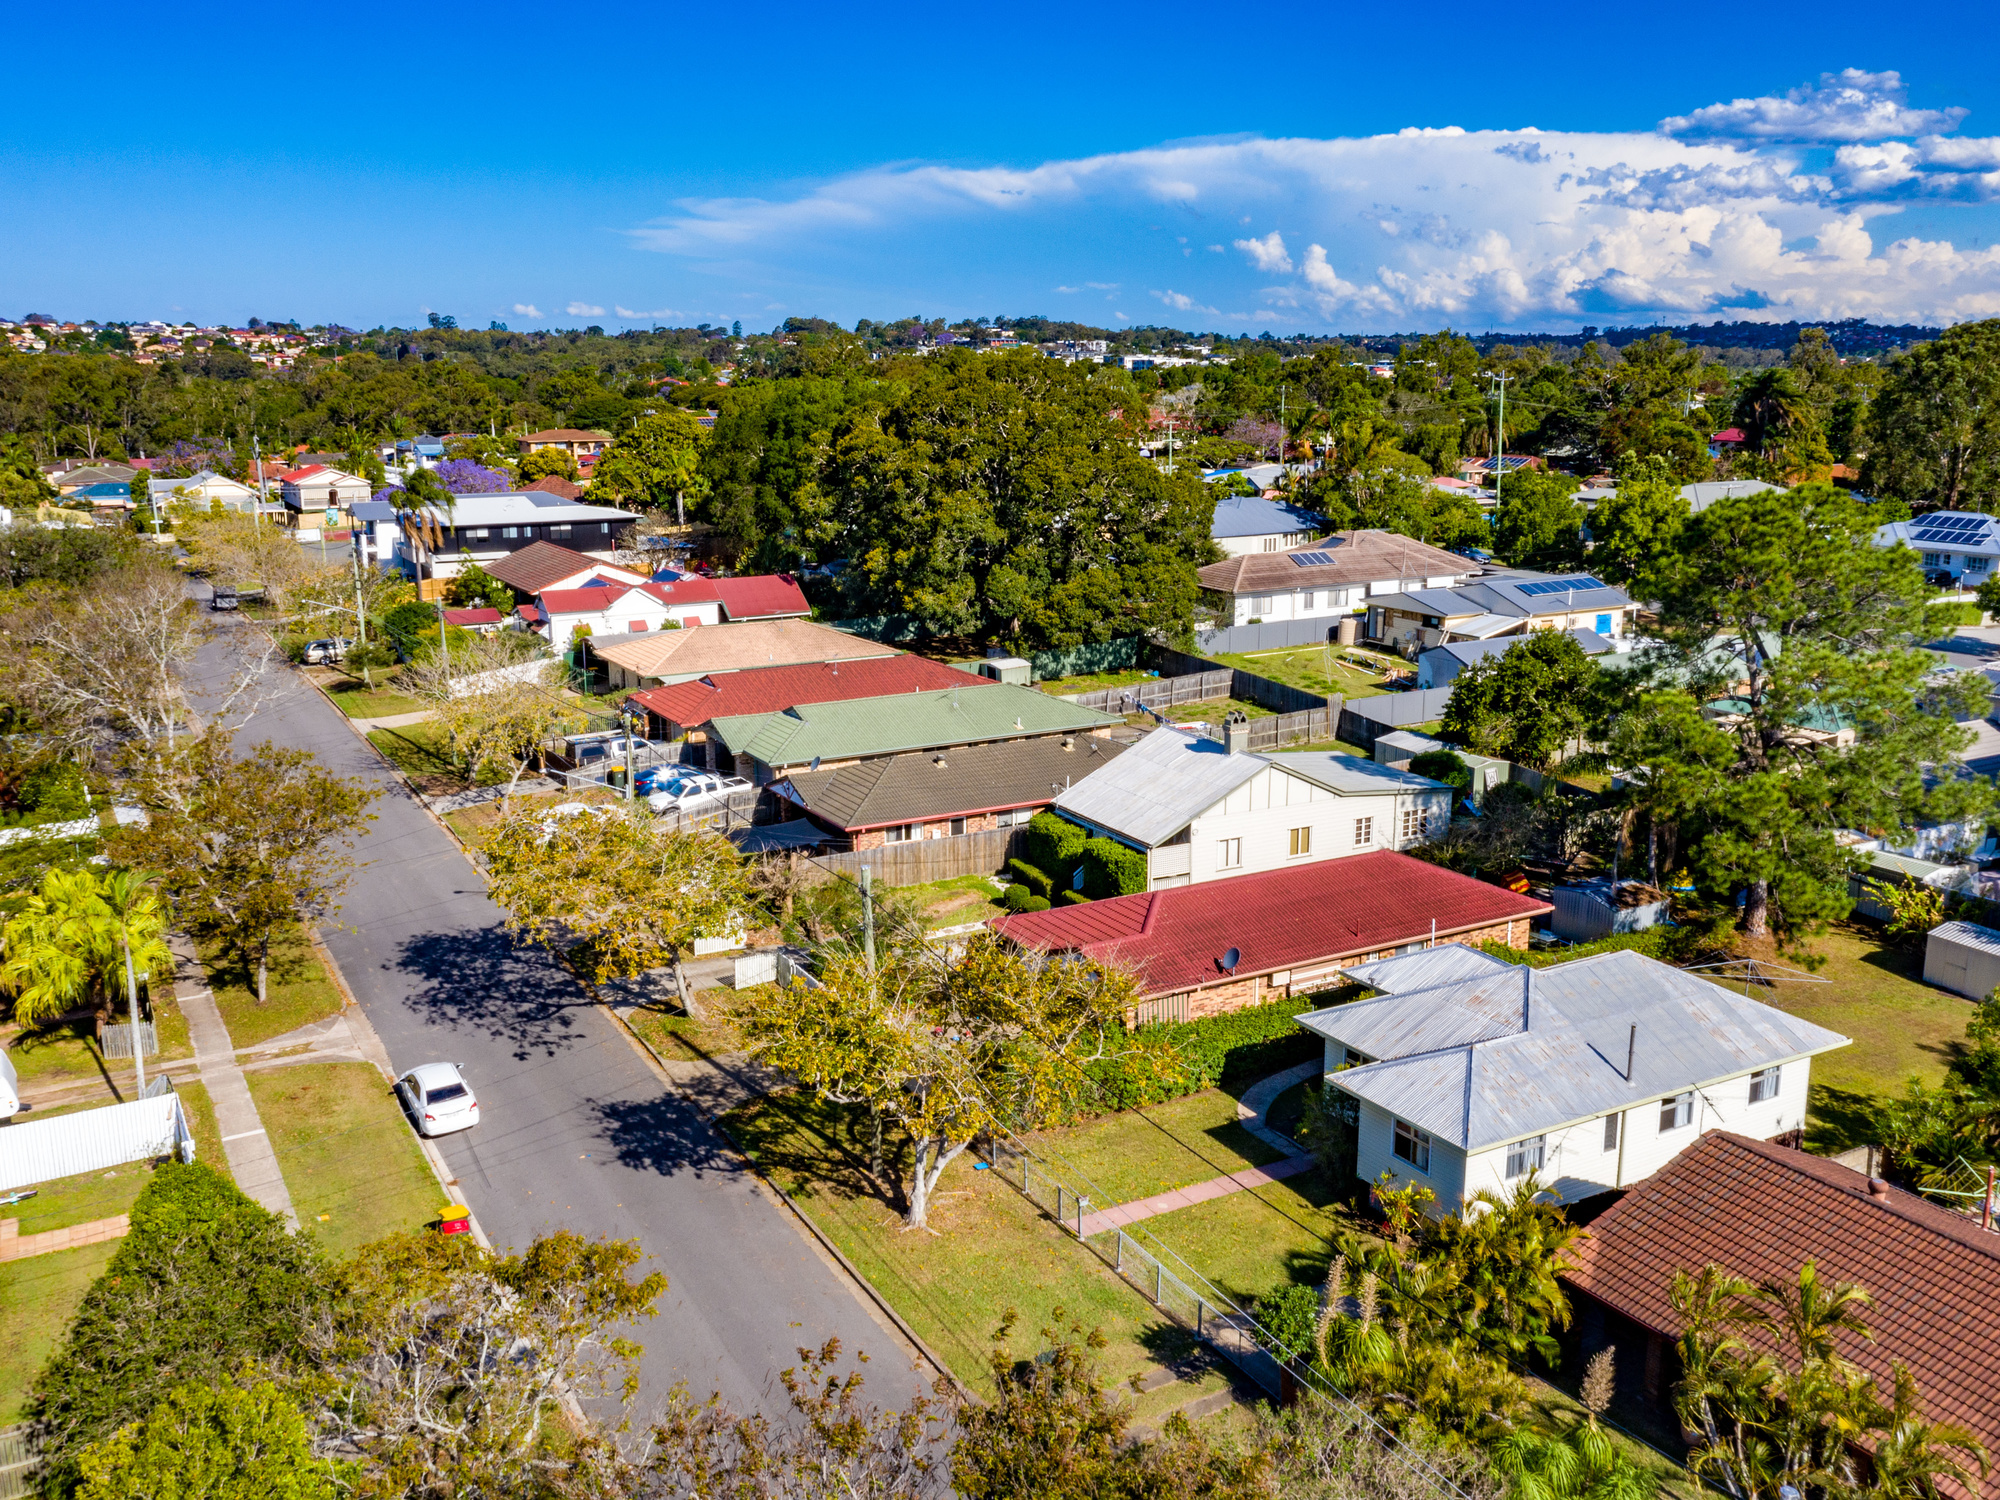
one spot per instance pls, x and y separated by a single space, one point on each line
1593 909
1963 957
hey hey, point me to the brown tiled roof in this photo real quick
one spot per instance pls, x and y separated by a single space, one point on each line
1761 1210
540 564
555 484
566 435
732 648
951 783
1358 557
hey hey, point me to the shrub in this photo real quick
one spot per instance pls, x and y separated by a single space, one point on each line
1111 869
1033 878
1073 898
1033 903
1018 897
1654 942
1055 845
1445 766
55 792
184 1197
1227 1050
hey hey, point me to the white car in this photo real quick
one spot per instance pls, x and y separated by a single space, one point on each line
319 653
690 791
438 1098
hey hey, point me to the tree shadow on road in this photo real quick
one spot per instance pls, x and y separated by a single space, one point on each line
666 1135
484 982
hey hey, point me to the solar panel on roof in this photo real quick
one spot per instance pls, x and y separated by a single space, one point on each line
1310 559
1560 585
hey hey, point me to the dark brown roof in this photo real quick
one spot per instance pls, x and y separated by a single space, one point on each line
1358 557
539 565
1763 1210
555 484
950 783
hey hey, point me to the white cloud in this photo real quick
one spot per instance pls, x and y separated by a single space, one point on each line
1850 105
1181 302
1267 254
583 310
1499 228
528 310
626 312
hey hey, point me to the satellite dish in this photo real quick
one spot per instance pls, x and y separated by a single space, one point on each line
1231 959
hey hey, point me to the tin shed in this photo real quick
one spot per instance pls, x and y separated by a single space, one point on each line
1963 957
1593 909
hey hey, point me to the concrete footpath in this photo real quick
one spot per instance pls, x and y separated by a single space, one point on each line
245 1144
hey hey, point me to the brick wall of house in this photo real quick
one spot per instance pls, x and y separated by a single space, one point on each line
875 838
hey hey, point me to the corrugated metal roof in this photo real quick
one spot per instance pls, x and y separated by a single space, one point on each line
1349 775
768 596
1564 1057
899 721
1427 968
1252 515
1159 786
963 780
1971 934
763 690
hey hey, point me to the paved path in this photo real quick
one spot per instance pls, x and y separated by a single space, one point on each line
388 721
1253 1110
578 1130
252 1162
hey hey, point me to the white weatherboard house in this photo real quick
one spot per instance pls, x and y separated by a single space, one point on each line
1964 544
1200 813
1468 1072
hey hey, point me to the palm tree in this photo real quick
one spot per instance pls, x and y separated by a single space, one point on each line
68 944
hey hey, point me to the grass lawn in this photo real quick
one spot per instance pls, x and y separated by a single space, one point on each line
419 752
992 1252
358 701
964 898
1307 667
79 1200
1339 747
1140 1152
348 1155
1091 682
1212 711
297 987
1902 1028
37 1297
201 1120
680 1038
68 1053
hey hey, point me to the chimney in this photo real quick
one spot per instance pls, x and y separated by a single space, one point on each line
1069 743
1235 733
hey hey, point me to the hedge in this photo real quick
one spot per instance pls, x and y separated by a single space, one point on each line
1230 1051
1031 877
1073 898
1055 845
1023 898
1653 942
1111 869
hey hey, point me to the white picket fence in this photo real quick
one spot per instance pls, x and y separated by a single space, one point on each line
93 1140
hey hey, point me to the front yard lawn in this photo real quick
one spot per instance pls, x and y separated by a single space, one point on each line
298 989
964 898
349 1156
421 753
37 1298
1137 1153
359 701
89 1196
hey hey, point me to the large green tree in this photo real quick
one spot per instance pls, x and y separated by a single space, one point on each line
1539 523
1788 702
652 465
1640 523
1936 423
1526 704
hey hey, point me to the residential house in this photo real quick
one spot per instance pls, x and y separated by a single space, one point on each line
1251 523
1333 577
938 793
542 566
1200 950
1701 495
555 484
205 488
604 607
764 596
657 658
70 481
821 736
579 443
1500 601
1484 470
1440 664
1200 813
486 528
1593 1074
1762 1211
1962 544
101 497
478 621
313 490
687 709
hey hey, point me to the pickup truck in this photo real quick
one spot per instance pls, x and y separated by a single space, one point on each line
222 596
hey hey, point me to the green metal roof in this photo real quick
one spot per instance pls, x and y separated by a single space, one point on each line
899 722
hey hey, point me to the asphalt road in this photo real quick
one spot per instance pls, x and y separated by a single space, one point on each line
576 1130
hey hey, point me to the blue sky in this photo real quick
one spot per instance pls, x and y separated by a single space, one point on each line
1291 167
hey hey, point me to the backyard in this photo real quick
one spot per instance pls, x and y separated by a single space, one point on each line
1333 671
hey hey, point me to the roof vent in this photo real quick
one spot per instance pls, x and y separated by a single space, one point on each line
1878 1189
939 760
1228 962
1069 742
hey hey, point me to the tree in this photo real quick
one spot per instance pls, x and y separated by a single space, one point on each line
68 943
1782 605
1527 703
506 723
995 1039
547 463
23 486
475 588
205 1282
1579 1462
234 547
243 846
222 1442
462 476
653 464
1383 499
631 894
1936 423
1539 524
1643 520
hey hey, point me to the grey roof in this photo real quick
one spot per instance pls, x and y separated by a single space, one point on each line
1482 1061
1468 652
535 507
1504 593
1350 774
1152 791
1448 963
1253 515
1700 496
1971 934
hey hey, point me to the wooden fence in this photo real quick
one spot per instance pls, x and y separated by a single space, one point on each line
1174 665
1159 692
923 860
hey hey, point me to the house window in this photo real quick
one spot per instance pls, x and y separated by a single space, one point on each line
1413 1145
1013 817
901 833
1364 832
1978 564
510 531
1611 1132
957 826
479 534
558 531
1676 1111
1763 1085
1413 823
1261 605
1230 855
1301 842
1524 1157
1270 544
1937 559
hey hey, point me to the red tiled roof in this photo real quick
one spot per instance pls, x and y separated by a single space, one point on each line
566 435
763 690
555 484
1761 1210
762 598
293 476
590 600
472 617
1727 435
1279 919
531 613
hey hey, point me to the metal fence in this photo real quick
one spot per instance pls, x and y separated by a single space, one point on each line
93 1140
1364 720
117 1040
1186 1296
1269 637
921 861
